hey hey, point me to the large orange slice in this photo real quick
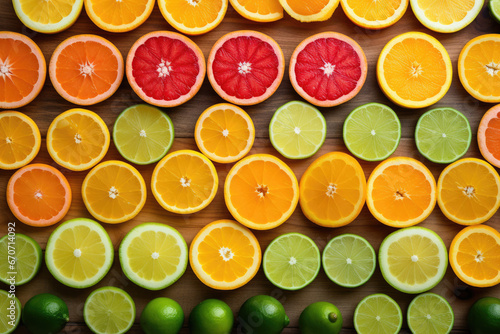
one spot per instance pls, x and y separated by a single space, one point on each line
333 190
488 136
86 69
225 255
38 195
258 10
308 11
119 16
22 70
261 191
372 14
401 192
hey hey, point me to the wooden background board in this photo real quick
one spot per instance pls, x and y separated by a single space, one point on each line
189 291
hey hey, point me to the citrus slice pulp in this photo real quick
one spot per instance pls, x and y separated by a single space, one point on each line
378 314
260 10
430 313
488 135
320 10
374 14
119 16
28 256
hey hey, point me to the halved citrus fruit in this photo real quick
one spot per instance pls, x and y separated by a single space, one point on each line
114 192
20 140
86 69
261 191
414 70
165 68
22 70
259 10
328 69
401 192
224 133
77 139
378 313
430 313
8 301
38 195
28 255
48 17
468 191
119 16
374 14
225 255
184 182
333 190
479 67
245 67
318 10
488 136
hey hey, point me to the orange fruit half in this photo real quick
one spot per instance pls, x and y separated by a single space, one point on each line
38 195
86 69
258 10
308 11
22 70
119 16
488 136
333 190
225 255
261 191
372 14
475 256
401 192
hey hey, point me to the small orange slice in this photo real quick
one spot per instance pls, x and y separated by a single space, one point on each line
309 11
333 190
38 195
258 10
119 16
488 136
372 14
225 255
22 70
401 192
261 191
86 69
475 256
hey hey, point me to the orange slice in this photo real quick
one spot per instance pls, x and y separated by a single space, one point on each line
261 191
38 195
372 14
22 70
488 136
19 140
308 11
469 191
333 190
225 255
184 182
119 16
475 256
479 68
193 17
114 192
86 69
401 192
224 133
258 10
78 139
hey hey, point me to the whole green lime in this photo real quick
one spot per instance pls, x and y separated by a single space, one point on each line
262 315
162 316
484 316
211 316
320 318
45 314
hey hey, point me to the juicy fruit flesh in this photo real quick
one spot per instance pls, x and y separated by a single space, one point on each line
378 315
165 68
109 312
478 256
27 259
194 14
482 67
106 10
429 314
5 300
17 139
245 67
262 7
372 10
312 7
446 12
47 12
492 136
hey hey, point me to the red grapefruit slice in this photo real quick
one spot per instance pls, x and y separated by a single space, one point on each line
488 136
328 69
245 67
165 68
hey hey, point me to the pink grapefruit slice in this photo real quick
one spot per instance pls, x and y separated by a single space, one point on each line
328 69
488 136
245 67
165 68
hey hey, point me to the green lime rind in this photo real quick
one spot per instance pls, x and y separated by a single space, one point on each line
5 304
109 304
291 261
494 6
131 129
378 305
443 135
28 256
349 260
141 280
372 132
430 313
297 130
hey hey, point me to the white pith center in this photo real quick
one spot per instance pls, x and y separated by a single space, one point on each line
416 69
492 68
78 138
468 191
155 255
479 257
244 67
348 261
414 258
8 140
327 69
400 195
226 253
262 190
87 69
428 316
377 318
142 133
373 133
5 70
331 190
164 68
225 132
185 182
113 192
296 130
292 261
444 135
193 2
38 194
77 253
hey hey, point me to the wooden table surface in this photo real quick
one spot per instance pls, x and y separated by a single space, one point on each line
189 291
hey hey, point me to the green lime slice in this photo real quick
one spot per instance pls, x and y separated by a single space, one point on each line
109 310
11 312
378 314
429 313
297 130
292 261
494 6
27 255
372 132
443 135
143 134
349 260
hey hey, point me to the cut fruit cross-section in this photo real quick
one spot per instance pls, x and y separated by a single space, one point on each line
310 11
373 14
259 10
6 301
28 259
429 313
377 314
119 16
488 136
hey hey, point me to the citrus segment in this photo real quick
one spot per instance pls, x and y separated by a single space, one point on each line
317 10
260 10
429 313
378 314
6 326
374 14
119 16
488 136
28 259
494 6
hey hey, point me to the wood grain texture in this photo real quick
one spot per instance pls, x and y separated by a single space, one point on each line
189 291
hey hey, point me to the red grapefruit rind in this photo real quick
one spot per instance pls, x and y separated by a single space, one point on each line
491 114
